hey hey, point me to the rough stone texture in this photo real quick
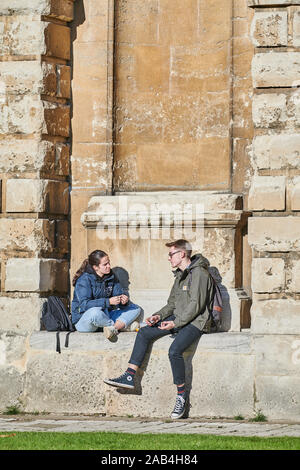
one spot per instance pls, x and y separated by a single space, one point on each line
268 275
276 69
296 28
294 193
261 3
64 383
62 9
278 396
274 233
269 28
273 317
37 196
269 110
222 352
26 235
276 151
36 275
159 124
11 387
20 314
295 281
267 193
277 355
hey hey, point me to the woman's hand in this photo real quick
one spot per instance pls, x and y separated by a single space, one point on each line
152 320
167 325
115 300
124 299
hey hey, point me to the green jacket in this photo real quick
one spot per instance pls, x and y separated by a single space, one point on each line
191 297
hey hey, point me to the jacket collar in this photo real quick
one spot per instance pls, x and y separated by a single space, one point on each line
106 277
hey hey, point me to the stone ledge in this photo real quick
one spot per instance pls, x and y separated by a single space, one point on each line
96 342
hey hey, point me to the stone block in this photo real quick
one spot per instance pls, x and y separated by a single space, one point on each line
277 354
52 387
11 387
13 347
21 114
58 41
278 397
89 165
22 35
20 77
276 69
296 29
61 9
269 110
34 155
20 315
274 233
275 316
36 275
137 23
294 193
32 235
63 81
57 119
267 193
268 275
261 3
199 70
269 28
30 195
295 280
276 151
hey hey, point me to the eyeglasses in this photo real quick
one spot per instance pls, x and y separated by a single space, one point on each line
174 253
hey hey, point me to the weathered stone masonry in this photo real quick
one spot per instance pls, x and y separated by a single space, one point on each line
171 100
34 171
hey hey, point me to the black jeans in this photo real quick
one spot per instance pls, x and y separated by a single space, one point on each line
184 337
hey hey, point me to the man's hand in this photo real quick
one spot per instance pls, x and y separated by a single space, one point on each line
167 325
152 320
124 299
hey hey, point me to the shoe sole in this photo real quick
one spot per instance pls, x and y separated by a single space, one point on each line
182 414
119 385
111 337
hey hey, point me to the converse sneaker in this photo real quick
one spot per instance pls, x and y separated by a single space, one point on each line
179 408
125 380
111 333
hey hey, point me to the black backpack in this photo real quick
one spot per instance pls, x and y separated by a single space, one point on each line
56 318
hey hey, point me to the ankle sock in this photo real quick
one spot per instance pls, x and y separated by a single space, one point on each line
181 390
130 371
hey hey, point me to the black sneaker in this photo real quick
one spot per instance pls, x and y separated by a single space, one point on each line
179 408
125 380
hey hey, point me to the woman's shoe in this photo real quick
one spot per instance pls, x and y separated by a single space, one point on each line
111 333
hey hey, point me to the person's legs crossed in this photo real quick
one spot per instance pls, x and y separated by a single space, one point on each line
93 319
123 317
145 336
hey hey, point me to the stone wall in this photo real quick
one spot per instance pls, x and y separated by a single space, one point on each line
34 171
274 199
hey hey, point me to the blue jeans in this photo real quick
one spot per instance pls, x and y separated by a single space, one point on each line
185 336
95 317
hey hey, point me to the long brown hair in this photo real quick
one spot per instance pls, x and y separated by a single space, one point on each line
93 259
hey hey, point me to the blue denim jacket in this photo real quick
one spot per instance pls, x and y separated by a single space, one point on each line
92 291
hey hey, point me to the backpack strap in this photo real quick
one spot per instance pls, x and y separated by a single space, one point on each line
57 343
67 339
